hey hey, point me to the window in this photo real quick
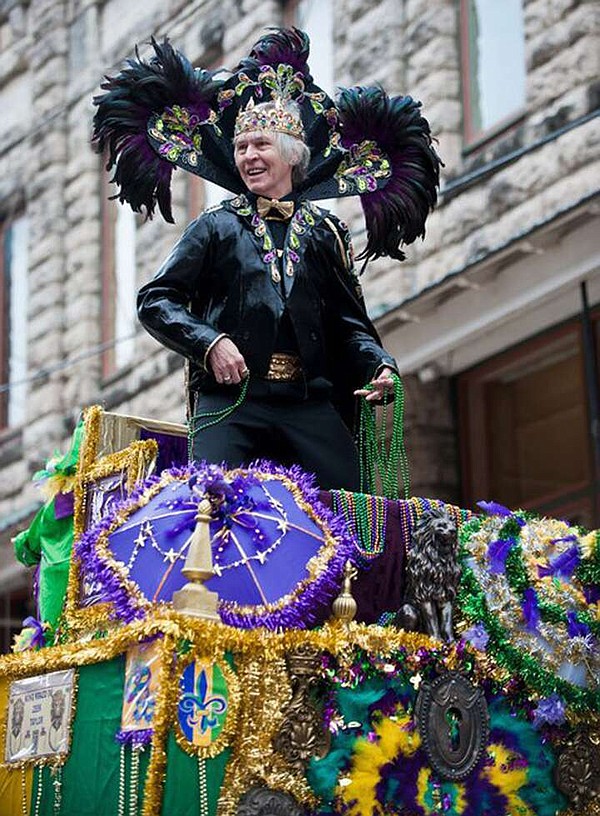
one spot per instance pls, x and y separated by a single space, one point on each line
525 431
316 18
493 64
118 284
13 317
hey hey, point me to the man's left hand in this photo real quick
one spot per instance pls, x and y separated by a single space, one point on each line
380 385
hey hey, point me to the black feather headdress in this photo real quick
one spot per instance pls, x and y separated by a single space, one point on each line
164 113
395 211
167 82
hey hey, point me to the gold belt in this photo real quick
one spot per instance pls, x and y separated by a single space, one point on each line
284 368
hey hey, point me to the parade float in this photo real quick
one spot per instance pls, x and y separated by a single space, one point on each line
237 642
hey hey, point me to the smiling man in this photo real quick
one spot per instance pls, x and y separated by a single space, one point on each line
260 295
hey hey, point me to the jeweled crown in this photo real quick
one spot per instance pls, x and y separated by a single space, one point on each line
274 117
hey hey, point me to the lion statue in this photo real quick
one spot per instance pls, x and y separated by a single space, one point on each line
432 575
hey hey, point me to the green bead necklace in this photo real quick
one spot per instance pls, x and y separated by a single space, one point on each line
366 516
213 417
379 460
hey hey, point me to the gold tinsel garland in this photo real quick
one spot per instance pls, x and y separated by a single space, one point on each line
134 461
164 713
259 657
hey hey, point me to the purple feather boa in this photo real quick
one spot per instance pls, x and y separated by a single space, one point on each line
307 608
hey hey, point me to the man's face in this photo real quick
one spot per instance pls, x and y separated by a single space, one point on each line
262 169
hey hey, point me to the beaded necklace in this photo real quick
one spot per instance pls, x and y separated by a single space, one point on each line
213 417
378 460
366 515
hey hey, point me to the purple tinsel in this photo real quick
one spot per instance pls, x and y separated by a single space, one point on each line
135 739
498 552
531 611
564 565
477 636
550 710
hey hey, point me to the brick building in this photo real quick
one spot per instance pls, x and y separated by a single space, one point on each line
494 318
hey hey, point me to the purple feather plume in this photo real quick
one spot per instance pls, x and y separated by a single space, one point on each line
563 566
497 553
531 611
492 508
283 45
575 628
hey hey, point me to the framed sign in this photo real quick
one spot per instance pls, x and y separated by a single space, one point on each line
39 714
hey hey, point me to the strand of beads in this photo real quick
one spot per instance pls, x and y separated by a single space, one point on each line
377 459
214 417
57 773
133 782
202 786
121 803
38 792
367 516
23 792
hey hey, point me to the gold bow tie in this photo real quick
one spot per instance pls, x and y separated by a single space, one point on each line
271 208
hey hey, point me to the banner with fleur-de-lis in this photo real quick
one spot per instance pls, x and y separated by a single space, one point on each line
207 706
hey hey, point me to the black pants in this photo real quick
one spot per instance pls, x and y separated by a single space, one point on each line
309 433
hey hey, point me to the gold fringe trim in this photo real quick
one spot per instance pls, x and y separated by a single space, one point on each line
135 461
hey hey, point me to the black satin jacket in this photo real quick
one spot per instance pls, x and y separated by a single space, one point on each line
219 280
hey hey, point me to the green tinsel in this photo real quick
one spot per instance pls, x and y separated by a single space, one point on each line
472 604
588 572
519 581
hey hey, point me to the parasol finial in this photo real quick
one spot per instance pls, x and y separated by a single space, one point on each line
194 598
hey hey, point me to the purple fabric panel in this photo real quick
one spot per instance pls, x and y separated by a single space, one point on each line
172 450
380 588
64 504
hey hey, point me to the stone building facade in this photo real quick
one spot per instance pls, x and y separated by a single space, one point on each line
494 318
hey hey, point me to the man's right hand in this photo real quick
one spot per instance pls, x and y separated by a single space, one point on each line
226 362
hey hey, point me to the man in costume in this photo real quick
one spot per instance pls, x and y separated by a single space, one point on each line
260 293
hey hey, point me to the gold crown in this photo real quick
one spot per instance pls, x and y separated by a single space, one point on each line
275 117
